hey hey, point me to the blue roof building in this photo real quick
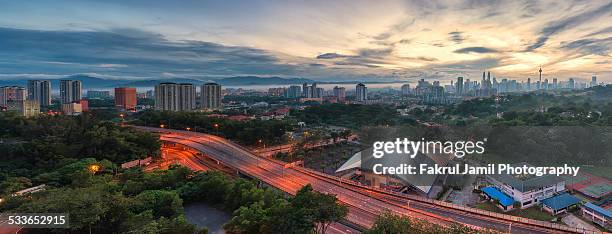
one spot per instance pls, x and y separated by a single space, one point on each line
597 214
560 203
504 200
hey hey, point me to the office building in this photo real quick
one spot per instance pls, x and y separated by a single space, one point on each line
125 98
361 92
593 81
211 96
459 89
96 94
40 90
340 93
12 93
70 91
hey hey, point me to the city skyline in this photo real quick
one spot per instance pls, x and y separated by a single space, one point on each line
338 41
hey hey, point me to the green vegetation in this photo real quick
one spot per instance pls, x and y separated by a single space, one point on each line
247 133
38 145
533 212
351 116
104 202
76 157
577 108
387 223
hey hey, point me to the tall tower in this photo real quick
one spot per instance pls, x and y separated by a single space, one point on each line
540 77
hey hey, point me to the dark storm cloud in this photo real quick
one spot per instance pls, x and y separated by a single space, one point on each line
457 37
128 51
590 46
331 56
478 49
555 27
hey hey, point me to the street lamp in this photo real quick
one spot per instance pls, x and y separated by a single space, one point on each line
216 125
93 168
162 126
122 119
188 128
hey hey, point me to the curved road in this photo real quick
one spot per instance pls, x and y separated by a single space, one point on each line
364 204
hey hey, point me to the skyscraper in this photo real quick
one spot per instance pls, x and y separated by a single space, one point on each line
405 89
361 92
40 90
211 96
305 90
340 93
294 91
528 84
593 81
70 91
125 98
460 85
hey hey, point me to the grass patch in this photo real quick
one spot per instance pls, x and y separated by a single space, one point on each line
533 212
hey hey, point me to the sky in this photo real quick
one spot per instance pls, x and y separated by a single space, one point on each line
329 40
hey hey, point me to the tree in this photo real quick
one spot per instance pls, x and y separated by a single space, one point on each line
321 209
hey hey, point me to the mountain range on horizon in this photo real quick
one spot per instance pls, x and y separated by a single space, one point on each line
91 82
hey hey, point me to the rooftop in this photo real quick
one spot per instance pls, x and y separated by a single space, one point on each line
560 201
494 193
527 183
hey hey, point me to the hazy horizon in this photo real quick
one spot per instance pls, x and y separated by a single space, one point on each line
319 40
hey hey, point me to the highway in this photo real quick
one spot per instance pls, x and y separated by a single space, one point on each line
364 203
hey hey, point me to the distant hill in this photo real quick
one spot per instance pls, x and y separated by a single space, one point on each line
255 80
87 82
151 83
90 82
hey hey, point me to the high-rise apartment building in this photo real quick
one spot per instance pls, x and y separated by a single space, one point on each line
12 93
340 93
175 97
70 91
40 90
211 96
361 92
125 98
294 91
186 96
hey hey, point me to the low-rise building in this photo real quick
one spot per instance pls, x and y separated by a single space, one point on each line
26 108
597 214
72 108
528 190
559 204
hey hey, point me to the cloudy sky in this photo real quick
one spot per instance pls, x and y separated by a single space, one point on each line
324 40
